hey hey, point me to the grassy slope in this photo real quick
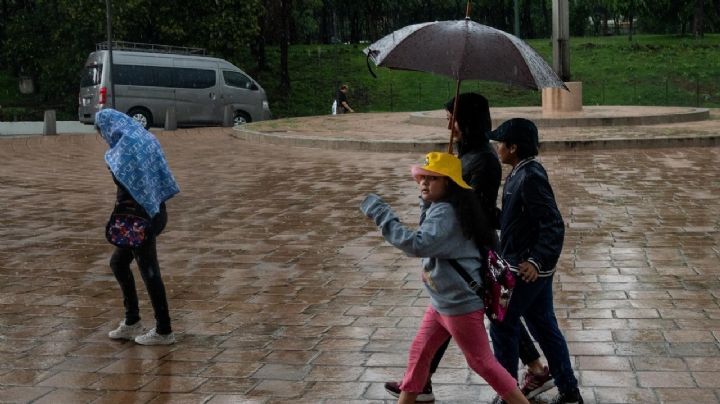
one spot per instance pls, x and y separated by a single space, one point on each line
650 70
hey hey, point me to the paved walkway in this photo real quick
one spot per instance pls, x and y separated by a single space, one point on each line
36 128
281 291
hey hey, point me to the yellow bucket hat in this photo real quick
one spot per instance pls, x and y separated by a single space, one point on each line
441 164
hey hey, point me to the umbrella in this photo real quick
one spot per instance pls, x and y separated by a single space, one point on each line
463 50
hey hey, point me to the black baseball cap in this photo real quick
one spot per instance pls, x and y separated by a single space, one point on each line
516 131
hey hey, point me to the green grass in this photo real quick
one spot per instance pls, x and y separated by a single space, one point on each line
650 70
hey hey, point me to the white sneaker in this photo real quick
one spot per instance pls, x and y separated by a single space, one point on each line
126 331
153 338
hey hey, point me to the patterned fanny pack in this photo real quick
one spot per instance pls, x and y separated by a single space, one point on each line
127 227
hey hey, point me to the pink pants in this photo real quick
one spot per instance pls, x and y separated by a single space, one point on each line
468 331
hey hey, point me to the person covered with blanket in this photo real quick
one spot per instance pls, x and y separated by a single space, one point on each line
144 182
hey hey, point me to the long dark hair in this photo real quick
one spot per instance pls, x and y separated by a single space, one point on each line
475 225
473 119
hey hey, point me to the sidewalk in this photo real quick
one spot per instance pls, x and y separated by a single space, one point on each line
36 128
281 291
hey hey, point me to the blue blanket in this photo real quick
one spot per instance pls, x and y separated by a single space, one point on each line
136 159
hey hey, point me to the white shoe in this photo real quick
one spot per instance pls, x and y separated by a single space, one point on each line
126 331
153 338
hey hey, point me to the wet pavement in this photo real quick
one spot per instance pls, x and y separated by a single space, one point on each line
594 127
281 291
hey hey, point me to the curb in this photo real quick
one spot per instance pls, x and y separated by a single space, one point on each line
664 115
337 143
623 143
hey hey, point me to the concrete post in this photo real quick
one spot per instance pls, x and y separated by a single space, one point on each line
228 116
517 18
170 119
49 123
557 100
561 39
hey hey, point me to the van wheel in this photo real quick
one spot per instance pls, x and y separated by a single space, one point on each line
241 118
142 115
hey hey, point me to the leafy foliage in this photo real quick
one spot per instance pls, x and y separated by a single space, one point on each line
48 40
52 54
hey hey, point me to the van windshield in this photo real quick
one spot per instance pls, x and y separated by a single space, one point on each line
91 75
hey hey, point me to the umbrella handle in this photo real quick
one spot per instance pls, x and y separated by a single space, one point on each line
452 119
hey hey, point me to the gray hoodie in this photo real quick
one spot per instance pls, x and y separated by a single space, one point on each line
438 239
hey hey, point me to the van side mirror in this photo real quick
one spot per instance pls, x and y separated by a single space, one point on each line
254 87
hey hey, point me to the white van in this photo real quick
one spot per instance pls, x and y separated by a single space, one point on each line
149 79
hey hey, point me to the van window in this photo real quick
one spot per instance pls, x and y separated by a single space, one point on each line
237 79
91 75
152 76
195 78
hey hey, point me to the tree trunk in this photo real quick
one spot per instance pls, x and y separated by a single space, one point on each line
630 25
605 23
355 27
546 18
616 25
325 23
3 18
260 55
258 48
699 19
285 7
528 31
595 25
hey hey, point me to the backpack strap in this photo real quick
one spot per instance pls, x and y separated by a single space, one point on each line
474 286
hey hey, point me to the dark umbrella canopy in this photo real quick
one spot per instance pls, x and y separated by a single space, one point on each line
464 50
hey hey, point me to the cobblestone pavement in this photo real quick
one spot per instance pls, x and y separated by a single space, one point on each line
281 291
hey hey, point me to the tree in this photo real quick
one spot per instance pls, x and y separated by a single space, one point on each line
285 9
258 50
52 53
698 18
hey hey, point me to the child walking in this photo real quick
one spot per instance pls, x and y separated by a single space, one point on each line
452 226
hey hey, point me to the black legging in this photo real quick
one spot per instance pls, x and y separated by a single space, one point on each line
526 347
146 258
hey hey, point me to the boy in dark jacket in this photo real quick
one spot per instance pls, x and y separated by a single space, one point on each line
531 239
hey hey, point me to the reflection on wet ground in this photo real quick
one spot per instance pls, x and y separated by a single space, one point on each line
281 291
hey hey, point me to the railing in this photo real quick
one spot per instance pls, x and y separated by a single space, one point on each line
149 47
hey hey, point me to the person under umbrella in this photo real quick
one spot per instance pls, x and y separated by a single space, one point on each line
482 171
463 50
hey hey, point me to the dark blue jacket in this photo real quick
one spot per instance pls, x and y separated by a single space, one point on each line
531 228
